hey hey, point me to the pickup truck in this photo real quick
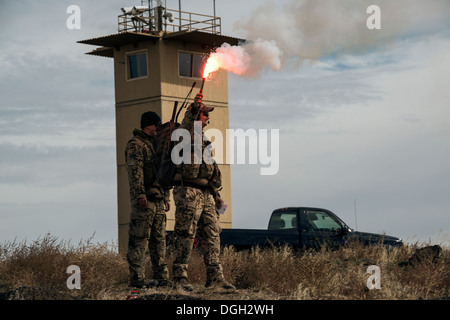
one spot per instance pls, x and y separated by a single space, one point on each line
303 228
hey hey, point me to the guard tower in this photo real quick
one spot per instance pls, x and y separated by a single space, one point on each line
158 54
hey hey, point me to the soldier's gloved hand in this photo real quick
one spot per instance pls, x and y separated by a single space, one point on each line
198 98
194 107
142 202
219 202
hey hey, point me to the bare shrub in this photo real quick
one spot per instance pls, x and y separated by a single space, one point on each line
41 266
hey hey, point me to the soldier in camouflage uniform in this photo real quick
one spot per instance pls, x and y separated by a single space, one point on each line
149 204
196 196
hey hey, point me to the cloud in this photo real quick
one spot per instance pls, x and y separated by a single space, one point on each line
374 132
309 29
298 31
67 191
43 165
294 98
370 125
57 126
51 90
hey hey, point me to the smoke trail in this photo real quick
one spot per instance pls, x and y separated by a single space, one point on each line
248 59
309 29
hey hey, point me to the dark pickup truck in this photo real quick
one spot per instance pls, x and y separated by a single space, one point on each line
302 228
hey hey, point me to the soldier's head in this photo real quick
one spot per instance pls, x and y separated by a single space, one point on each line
203 114
150 122
204 117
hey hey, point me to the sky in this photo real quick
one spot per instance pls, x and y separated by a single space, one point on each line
363 116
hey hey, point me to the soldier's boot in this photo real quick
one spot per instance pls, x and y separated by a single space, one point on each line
215 278
179 271
161 275
138 280
182 283
164 283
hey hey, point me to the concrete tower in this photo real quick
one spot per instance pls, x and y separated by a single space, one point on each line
158 53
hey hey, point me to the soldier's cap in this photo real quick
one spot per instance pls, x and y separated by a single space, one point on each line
204 109
150 118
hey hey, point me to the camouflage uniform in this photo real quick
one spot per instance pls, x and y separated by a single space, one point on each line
147 225
195 208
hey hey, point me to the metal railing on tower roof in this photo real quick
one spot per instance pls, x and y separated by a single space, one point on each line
143 19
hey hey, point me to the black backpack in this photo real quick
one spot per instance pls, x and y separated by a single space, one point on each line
164 166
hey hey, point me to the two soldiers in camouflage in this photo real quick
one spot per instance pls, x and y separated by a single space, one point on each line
196 196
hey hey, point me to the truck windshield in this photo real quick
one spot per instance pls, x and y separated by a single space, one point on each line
322 221
282 220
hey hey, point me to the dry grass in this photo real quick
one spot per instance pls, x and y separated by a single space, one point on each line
38 271
340 274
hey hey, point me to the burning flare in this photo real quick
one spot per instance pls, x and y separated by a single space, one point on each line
212 65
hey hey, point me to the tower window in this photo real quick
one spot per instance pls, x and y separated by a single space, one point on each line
137 65
190 64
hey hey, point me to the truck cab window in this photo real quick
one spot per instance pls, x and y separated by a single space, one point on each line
283 220
322 221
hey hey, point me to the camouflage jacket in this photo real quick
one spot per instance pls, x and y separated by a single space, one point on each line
139 157
203 174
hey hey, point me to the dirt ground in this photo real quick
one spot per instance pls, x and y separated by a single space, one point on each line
199 293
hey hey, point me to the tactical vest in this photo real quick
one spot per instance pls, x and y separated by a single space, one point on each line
151 185
203 174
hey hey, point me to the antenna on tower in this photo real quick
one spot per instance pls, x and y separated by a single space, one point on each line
179 14
356 220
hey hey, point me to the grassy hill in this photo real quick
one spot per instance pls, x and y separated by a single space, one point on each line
38 270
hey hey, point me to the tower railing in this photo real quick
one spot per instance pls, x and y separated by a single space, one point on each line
168 20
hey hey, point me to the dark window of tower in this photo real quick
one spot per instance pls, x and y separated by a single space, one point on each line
190 65
137 65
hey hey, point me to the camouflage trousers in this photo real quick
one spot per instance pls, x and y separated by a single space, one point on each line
147 231
195 209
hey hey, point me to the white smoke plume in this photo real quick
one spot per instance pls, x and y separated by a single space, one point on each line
300 30
249 59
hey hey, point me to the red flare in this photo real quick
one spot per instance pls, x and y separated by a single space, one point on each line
211 66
